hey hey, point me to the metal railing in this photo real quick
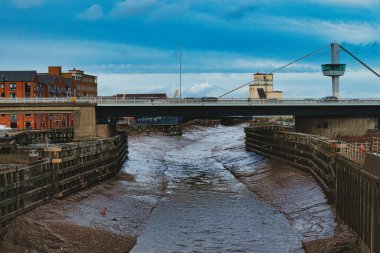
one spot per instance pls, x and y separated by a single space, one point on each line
375 146
190 101
355 151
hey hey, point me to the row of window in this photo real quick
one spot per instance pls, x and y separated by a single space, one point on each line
86 88
51 89
13 86
28 124
14 116
13 94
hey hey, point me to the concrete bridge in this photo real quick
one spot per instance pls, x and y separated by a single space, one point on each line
306 111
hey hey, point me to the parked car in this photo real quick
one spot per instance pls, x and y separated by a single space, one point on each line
329 99
192 100
209 99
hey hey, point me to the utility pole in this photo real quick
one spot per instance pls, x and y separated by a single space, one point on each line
180 70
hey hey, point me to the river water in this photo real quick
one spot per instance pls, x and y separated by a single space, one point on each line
200 192
207 206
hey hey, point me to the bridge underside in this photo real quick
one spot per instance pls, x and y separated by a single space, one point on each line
355 111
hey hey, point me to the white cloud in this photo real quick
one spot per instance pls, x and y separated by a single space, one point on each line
200 87
352 32
107 59
94 12
354 84
132 7
364 3
27 3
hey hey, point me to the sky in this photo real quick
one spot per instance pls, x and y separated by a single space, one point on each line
133 45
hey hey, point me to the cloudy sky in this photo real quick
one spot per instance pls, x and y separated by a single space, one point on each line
132 45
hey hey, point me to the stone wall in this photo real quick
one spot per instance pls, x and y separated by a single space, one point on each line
334 127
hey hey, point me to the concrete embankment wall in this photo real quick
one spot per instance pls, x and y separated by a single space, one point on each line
64 169
354 191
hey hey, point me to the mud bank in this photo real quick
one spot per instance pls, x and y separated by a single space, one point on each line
298 196
200 192
75 224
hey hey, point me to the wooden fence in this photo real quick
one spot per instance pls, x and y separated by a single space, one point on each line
358 203
65 169
338 168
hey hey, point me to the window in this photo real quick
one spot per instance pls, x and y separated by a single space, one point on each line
28 115
13 117
3 115
2 85
3 94
12 95
12 86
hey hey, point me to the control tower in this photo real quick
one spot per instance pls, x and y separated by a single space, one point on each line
335 69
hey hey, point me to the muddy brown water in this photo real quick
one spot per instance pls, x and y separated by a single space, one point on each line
200 192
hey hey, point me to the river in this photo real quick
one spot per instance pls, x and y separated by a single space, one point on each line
200 192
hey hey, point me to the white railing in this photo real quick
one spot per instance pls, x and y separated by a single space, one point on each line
355 151
233 101
375 146
189 101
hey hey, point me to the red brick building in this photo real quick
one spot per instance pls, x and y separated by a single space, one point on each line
77 83
85 85
29 84
14 85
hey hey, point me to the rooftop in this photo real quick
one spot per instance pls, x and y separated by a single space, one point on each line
17 76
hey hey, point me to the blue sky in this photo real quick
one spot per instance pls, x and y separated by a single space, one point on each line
132 45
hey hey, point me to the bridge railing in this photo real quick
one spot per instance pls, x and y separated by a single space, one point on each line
188 101
234 101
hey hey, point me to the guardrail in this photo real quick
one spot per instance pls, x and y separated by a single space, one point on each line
190 101
355 151
375 146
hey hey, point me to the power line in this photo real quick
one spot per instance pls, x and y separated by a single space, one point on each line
273 71
235 89
365 65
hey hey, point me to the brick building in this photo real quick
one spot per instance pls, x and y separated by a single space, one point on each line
30 84
77 83
18 84
85 85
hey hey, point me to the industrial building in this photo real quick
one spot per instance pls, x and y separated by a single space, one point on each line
262 87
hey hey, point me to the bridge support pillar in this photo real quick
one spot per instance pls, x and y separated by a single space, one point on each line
333 127
84 122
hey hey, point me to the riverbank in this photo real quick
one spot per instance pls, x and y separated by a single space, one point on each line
52 227
340 169
200 191
297 195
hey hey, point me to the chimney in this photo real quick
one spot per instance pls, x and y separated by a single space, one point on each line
55 70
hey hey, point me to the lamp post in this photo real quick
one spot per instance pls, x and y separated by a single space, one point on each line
180 70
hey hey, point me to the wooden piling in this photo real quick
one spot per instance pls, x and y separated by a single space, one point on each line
337 167
65 168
